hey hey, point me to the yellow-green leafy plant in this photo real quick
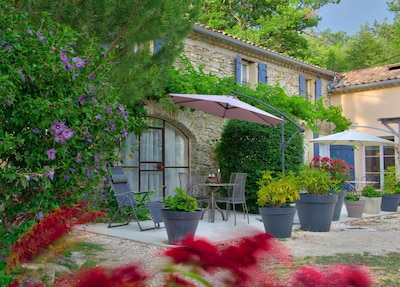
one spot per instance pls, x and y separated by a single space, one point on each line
279 191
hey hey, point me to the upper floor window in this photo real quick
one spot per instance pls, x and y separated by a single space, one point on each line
310 88
249 72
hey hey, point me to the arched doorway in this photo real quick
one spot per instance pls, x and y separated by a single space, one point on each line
156 158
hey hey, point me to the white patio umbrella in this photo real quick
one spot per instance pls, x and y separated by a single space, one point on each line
352 137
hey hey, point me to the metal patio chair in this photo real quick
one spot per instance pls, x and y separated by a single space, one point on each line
127 199
236 195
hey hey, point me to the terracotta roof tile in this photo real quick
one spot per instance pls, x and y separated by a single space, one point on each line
368 76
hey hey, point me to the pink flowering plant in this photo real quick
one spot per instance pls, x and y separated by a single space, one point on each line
62 124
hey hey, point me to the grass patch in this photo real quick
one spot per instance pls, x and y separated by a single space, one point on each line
91 251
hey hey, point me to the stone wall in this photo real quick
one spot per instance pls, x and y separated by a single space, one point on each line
217 56
202 130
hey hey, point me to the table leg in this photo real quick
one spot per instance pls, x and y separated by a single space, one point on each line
214 207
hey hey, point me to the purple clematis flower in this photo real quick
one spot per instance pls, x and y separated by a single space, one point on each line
51 174
67 134
59 138
51 154
58 127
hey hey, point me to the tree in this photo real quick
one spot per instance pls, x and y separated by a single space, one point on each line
275 24
327 49
127 30
62 124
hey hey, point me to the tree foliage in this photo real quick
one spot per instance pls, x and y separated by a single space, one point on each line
276 24
61 122
127 30
373 45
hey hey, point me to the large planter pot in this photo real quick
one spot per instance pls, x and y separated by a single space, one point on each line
372 205
338 205
390 202
278 221
355 208
179 223
315 211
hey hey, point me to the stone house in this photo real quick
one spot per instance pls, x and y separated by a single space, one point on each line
184 140
370 99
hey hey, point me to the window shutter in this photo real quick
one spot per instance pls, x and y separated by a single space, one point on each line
262 73
238 69
302 85
316 145
318 89
158 44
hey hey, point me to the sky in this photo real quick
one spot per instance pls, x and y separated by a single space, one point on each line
349 15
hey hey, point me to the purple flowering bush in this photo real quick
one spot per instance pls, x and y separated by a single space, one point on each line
61 124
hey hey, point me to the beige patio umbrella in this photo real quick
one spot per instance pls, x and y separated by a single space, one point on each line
226 107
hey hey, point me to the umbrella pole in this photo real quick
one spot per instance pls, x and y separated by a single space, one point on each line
283 146
283 115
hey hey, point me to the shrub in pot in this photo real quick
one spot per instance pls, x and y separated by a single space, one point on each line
317 202
181 215
391 190
275 198
340 172
373 199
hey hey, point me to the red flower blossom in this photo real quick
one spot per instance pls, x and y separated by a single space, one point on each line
338 168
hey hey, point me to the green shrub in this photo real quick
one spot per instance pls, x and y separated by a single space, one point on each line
370 191
180 201
252 148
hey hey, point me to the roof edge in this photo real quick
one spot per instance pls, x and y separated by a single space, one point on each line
364 86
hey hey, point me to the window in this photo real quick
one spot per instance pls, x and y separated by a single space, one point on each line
157 158
249 72
377 159
244 71
312 90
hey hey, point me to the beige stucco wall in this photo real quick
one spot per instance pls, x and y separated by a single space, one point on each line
363 108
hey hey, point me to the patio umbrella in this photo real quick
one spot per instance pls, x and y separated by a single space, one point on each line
352 137
226 107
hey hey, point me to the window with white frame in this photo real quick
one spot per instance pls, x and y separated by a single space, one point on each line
246 71
377 159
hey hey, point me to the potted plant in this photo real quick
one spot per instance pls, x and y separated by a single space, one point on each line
181 215
340 172
391 190
354 205
275 198
317 203
373 199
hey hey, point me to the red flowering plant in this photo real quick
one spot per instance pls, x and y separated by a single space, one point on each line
337 168
249 261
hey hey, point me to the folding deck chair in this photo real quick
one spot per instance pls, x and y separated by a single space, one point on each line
127 198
